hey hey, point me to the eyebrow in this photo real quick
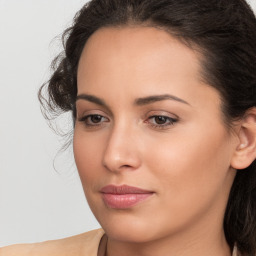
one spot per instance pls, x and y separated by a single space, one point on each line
139 102
156 98
92 99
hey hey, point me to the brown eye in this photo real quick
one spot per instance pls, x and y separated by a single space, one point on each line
161 122
96 118
93 120
160 119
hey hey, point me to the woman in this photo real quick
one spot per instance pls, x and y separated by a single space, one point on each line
163 96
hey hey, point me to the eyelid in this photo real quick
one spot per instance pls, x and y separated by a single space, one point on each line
161 113
84 117
91 112
170 120
87 121
85 105
88 124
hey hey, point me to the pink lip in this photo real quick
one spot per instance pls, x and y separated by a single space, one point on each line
123 197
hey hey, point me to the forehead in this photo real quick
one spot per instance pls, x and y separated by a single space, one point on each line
120 65
135 50
130 62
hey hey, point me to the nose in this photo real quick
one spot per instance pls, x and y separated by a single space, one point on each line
122 150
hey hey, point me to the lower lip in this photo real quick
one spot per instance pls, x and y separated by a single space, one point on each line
124 201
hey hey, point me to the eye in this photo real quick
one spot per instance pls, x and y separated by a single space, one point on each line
93 120
160 121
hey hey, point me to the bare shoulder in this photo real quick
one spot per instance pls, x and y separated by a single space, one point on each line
82 244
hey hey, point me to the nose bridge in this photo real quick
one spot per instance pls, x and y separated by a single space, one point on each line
121 150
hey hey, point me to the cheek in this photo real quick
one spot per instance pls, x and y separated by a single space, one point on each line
191 166
87 153
191 173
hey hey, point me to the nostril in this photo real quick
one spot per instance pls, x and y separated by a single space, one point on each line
121 164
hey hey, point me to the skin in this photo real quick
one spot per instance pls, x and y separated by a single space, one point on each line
186 163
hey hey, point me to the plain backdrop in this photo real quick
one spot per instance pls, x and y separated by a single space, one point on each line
41 197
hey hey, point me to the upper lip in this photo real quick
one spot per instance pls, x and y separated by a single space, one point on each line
124 189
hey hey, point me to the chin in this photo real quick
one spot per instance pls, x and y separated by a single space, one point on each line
128 229
132 235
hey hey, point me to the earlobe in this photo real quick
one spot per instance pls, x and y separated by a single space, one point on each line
245 153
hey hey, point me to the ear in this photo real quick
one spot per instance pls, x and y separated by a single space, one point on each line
245 152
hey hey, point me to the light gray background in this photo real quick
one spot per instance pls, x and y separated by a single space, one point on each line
36 202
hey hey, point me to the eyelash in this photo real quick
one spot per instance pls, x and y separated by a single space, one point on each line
171 121
85 119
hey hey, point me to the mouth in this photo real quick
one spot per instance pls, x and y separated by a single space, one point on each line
123 197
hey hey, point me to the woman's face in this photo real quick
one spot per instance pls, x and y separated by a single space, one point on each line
145 119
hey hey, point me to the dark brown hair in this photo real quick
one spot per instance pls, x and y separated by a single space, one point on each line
223 31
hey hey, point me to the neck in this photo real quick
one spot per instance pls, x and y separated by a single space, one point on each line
170 246
157 248
196 241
